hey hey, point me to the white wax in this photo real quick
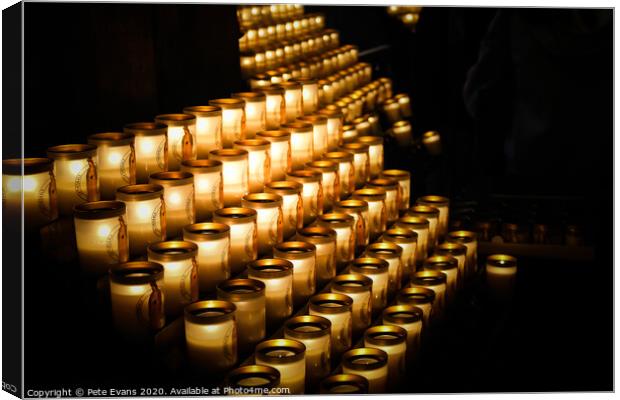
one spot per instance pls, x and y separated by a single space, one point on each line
208 134
377 217
268 221
334 127
361 311
304 278
310 194
180 209
143 224
130 308
501 280
113 169
408 255
209 188
212 346
347 178
292 376
345 245
177 285
279 297
280 153
232 122
319 140
361 162
376 159
440 298
242 245
35 187
317 356
97 243
251 318
329 190
414 331
236 181
259 170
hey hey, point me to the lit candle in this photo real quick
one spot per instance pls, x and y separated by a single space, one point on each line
252 379
151 146
292 100
419 226
255 112
377 270
393 340
449 266
346 171
330 181
208 128
137 299
247 63
370 363
431 214
280 152
341 384
101 235
213 241
401 131
335 307
349 134
335 120
457 251
393 196
233 120
275 106
145 210
301 143
178 200
181 138
319 135
501 276
324 239
312 193
391 108
258 82
420 297
358 209
208 185
243 235
344 225
363 128
436 281
408 241
259 162
410 319
326 92
359 289
404 103
404 181
443 205
361 161
75 171
269 220
387 86
303 257
292 204
235 174
375 152
391 253
288 357
377 214
211 335
117 161
315 333
38 186
277 275
310 94
469 240
248 296
432 142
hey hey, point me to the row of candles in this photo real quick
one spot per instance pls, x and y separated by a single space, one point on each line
248 15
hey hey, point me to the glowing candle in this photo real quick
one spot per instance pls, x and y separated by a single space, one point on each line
315 333
280 152
213 241
255 112
420 297
392 253
349 134
247 62
335 307
235 174
391 108
459 252
401 131
377 270
361 161
410 319
38 186
393 196
387 86
404 181
208 128
326 92
449 266
393 340
275 106
288 357
101 235
292 204
211 335
501 276
319 135
259 162
75 171
431 214
469 240
292 100
344 225
335 120
277 275
375 152
301 143
151 146
324 239
178 200
259 81
407 240
137 299
358 209
310 94
436 281
233 119
359 289
270 219
370 363
362 127
330 181
432 142
181 138
420 226
243 235
312 193
443 205
208 186
341 384
404 104
252 380
377 214
303 257
346 171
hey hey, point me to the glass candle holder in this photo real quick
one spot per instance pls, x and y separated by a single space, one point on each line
443 205
259 162
211 335
370 363
208 185
145 211
341 384
292 100
180 273
315 333
292 204
312 193
137 299
404 181
361 161
359 288
404 104
335 120
363 128
233 120
235 174
344 225
408 241
277 275
391 109
375 152
410 318
208 128
335 307
349 134
392 253
178 200
420 297
421 227
377 270
243 235
401 131
501 276
275 106
449 266
303 257
324 239
326 92
393 340
255 112
181 138
248 296
377 213
459 252
247 63
393 196
431 214
288 357
358 209
310 94
101 235
213 241
469 240
75 171
346 171
436 281
117 161
280 152
301 143
151 147
319 133
330 181
432 142
252 380
270 219
38 186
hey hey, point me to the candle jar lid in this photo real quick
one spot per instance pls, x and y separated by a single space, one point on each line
201 166
280 351
295 250
203 111
423 211
172 250
227 104
352 283
275 135
386 183
307 326
13 166
401 235
284 187
271 268
322 166
402 314
384 249
330 303
172 178
413 222
462 236
229 154
370 265
450 249
263 373
305 175
234 215
206 231
111 139
209 312
502 261
433 200
440 263
338 156
146 128
428 278
146 191
385 335
369 194
331 113
355 147
298 127
340 384
136 272
351 204
250 97
290 85
176 119
261 200
397 174
314 119
272 89
253 144
370 140
365 359
240 289
416 295
317 234
99 209
72 151
336 220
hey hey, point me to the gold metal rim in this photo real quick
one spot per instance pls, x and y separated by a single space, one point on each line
146 191
452 249
339 156
111 139
336 220
358 383
502 261
250 97
261 200
304 176
270 374
323 324
379 356
402 314
172 178
352 283
208 312
176 119
228 154
275 135
387 183
376 335
136 272
369 194
201 166
265 347
369 265
322 166
99 209
13 166
203 111
145 129
317 303
384 250
270 268
284 187
227 104
172 250
401 235
416 295
234 215
317 235
252 144
294 250
234 290
206 231
72 151
429 278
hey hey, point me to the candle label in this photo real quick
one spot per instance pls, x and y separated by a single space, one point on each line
188 144
189 205
366 312
275 227
351 178
230 344
81 184
266 176
92 182
53 205
125 166
123 240
251 242
217 193
150 308
112 242
162 154
45 197
360 228
156 216
300 213
188 283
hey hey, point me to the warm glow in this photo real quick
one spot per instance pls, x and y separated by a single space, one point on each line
14 184
115 157
143 211
103 231
76 166
174 198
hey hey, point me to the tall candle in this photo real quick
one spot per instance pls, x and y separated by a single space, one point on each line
335 307
346 171
393 340
377 270
469 240
359 288
449 266
312 193
358 209
301 143
151 147
420 226
213 241
288 357
335 120
501 276
178 200
407 240
252 379
401 131
275 106
315 333
243 235
269 219
344 225
370 363
375 152
436 281
292 100
330 181
255 112
443 205
324 239
319 133
280 152
361 161
233 120
410 319
404 181
303 257
377 213
420 297
459 252
181 138
326 92
277 275
208 185
208 128
392 253
431 214
292 204
235 174
259 162
392 196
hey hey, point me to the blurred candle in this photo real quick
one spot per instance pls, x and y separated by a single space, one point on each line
319 134
501 276
208 185
310 94
288 357
449 266
393 196
349 134
151 146
233 120
361 161
280 152
443 205
344 384
277 275
330 181
393 340
407 240
459 252
335 307
410 319
178 200
301 143
292 100
432 142
292 204
344 225
315 333
358 209
370 363
359 288
404 104
391 108
391 253
255 112
431 214
420 226
208 128
436 281
404 181
303 257
243 235
363 128
181 138
401 131
469 240
312 193
324 239
377 213
420 297
346 171
213 241
235 174
375 152
269 219
275 106
377 270
252 379
335 120
259 162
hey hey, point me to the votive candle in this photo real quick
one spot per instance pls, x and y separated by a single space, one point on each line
292 204
370 363
393 340
178 199
303 257
420 297
392 253
301 143
151 147
377 270
181 134
420 226
344 225
259 162
346 171
392 196
288 357
243 235
336 308
436 281
324 239
359 288
255 112
277 275
208 128
233 120
449 266
312 193
404 181
358 209
315 333
280 153
375 152
377 213
330 181
269 219
213 241
235 174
